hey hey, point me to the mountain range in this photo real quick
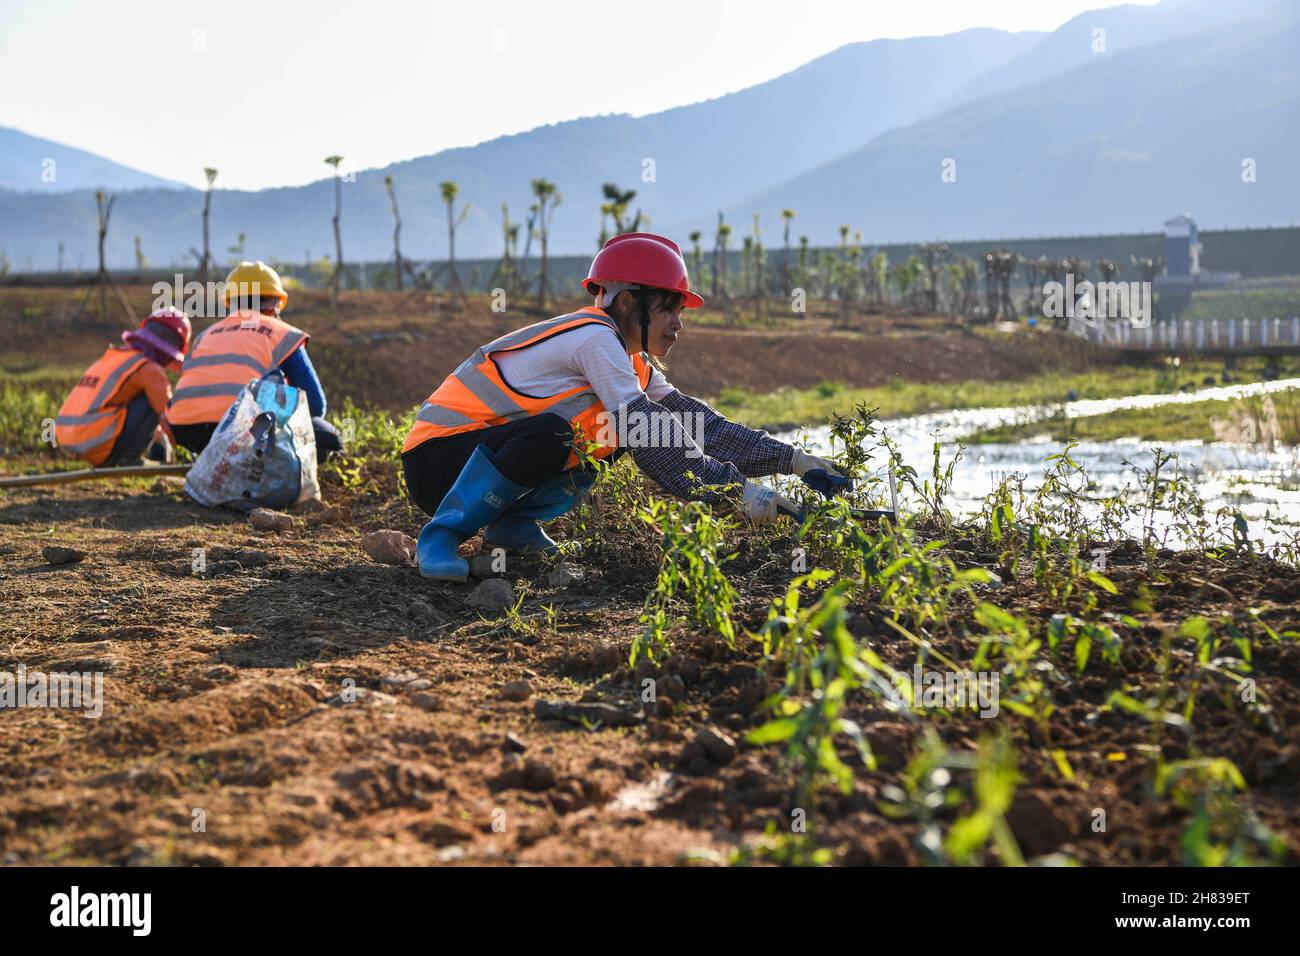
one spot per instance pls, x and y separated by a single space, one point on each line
29 163
1112 122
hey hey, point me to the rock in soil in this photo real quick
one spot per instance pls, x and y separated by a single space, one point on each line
564 574
240 557
493 595
480 566
264 519
57 555
425 701
318 512
362 695
700 766
593 713
672 685
517 690
399 679
389 547
419 611
540 776
719 746
520 774
512 744
441 833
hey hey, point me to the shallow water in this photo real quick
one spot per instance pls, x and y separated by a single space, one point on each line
1263 484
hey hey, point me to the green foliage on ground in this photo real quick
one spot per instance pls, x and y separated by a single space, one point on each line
915 581
1245 303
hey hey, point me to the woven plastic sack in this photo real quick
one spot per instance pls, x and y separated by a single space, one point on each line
262 454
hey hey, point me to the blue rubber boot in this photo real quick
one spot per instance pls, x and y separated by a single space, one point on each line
479 496
517 530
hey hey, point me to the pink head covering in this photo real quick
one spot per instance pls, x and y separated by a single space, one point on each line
152 346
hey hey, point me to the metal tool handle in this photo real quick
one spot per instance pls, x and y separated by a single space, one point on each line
875 514
861 514
91 474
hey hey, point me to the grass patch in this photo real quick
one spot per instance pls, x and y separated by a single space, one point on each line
1244 304
29 397
1257 420
792 408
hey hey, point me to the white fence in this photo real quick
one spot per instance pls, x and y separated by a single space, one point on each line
1192 335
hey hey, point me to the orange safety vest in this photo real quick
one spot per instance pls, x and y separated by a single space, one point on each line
476 395
89 422
225 357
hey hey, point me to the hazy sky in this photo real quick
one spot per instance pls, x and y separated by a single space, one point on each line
167 86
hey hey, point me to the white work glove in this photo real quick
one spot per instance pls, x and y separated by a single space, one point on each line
762 504
160 448
819 474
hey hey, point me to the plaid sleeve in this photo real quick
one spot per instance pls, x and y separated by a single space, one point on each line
755 453
673 460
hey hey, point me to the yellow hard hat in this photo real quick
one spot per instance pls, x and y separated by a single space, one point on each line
255 278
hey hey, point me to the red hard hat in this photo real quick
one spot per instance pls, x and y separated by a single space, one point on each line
641 258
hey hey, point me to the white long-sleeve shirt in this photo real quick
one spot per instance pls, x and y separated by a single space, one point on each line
595 355
588 354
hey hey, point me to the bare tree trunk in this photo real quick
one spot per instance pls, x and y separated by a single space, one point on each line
720 278
453 278
525 281
338 239
541 289
504 270
397 233
105 211
786 285
717 253
728 308
207 256
544 236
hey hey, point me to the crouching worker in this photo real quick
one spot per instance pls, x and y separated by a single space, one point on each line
112 414
250 342
492 447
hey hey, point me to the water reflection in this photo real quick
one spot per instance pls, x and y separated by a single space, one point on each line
1263 483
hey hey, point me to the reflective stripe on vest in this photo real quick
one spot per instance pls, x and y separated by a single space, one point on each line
225 357
88 423
476 395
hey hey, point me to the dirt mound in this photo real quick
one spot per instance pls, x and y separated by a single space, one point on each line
392 350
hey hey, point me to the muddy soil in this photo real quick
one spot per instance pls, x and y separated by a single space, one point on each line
230 702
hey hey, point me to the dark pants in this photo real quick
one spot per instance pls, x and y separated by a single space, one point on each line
527 451
140 424
196 437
